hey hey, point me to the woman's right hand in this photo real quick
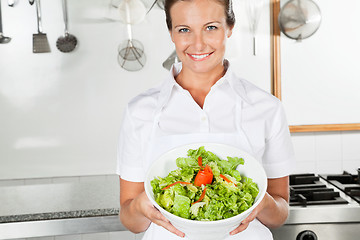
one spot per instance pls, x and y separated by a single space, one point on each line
150 212
136 210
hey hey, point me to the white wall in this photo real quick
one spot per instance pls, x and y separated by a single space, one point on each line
320 85
61 113
327 152
320 76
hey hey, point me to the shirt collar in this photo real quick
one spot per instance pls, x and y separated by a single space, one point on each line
235 83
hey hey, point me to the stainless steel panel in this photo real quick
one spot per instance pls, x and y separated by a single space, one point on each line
343 231
60 227
324 214
59 197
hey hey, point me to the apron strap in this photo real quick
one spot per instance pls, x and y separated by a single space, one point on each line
238 123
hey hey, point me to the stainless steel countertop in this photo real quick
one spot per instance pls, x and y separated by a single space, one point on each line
76 207
49 209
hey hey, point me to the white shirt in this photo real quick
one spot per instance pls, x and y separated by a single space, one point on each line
263 121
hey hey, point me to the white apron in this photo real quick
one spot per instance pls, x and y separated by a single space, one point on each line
160 143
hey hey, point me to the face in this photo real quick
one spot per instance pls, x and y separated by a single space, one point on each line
199 32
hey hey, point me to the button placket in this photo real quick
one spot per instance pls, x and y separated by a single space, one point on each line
204 122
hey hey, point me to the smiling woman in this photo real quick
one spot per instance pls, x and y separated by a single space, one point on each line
199 31
202 100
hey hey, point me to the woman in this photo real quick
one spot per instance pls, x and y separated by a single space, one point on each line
202 100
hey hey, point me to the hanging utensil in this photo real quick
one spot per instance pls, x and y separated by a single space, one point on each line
299 19
132 11
173 58
131 54
68 42
11 3
3 39
40 41
160 4
254 8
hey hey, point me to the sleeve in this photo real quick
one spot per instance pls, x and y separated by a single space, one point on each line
129 154
279 156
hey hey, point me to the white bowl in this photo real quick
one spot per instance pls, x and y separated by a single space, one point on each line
209 230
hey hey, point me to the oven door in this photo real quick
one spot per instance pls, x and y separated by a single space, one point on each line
326 231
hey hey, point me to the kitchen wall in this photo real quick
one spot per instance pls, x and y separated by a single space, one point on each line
61 112
320 77
327 152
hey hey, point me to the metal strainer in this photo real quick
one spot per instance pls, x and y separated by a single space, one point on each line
131 55
299 19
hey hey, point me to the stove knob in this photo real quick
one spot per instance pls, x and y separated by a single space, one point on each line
306 235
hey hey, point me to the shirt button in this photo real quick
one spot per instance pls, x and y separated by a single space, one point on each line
203 119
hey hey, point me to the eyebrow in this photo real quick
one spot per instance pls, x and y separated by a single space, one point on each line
177 26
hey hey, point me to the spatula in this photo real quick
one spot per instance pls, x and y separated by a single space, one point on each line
40 41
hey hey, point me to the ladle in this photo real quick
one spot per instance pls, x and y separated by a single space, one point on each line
3 39
68 42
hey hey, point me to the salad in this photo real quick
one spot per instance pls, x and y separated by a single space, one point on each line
205 187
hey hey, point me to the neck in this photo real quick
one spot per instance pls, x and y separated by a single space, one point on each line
199 84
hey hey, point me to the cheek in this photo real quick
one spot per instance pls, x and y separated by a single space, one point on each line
180 42
219 43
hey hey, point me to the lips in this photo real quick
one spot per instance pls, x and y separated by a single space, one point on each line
199 57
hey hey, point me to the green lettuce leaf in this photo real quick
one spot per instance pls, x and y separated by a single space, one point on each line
181 206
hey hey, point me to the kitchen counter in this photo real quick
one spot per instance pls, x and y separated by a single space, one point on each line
60 208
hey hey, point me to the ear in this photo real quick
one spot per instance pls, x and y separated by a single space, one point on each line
229 32
171 35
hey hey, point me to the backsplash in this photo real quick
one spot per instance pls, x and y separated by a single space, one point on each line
327 152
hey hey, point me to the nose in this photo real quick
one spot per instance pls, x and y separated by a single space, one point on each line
199 42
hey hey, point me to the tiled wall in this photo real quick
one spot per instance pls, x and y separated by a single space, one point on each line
327 152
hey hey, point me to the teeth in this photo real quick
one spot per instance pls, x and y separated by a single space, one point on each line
200 56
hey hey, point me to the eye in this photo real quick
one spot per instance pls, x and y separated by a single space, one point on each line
184 30
211 28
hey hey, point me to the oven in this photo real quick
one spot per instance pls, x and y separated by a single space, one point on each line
322 207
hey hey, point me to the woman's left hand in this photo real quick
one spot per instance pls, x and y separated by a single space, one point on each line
245 223
273 210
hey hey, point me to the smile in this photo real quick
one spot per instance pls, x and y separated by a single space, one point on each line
199 56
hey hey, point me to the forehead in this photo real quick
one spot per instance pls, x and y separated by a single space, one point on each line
197 11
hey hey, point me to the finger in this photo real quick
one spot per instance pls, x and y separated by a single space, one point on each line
240 228
159 219
251 217
169 227
158 216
